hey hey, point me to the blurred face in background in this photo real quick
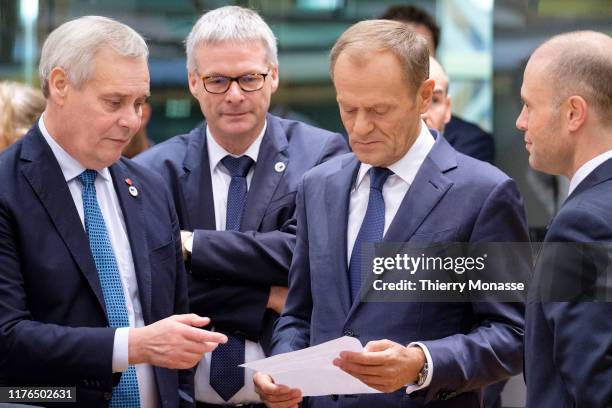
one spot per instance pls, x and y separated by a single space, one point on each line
380 110
235 117
439 112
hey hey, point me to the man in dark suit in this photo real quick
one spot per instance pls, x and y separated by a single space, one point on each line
464 136
402 185
91 273
234 181
567 120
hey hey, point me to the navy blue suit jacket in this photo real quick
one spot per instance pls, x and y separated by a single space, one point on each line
232 271
470 139
453 198
53 324
568 345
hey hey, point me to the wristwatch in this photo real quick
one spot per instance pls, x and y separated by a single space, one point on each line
422 376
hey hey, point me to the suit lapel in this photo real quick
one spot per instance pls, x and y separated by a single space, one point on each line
337 198
44 174
266 176
196 185
427 189
136 231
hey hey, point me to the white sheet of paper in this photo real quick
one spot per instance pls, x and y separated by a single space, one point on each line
312 371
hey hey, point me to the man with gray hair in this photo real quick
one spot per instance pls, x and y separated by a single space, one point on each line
234 181
91 270
399 186
567 120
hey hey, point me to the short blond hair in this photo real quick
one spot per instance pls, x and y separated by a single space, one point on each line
20 106
396 37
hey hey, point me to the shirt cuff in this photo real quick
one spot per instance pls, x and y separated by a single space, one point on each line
120 349
410 388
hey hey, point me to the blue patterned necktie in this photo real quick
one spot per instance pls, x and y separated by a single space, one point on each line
372 227
126 393
226 378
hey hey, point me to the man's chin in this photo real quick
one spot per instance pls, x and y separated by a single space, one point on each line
370 158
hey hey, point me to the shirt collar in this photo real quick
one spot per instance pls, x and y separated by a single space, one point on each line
586 169
216 153
407 167
71 168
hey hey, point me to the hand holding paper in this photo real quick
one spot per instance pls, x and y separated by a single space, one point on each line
384 365
311 370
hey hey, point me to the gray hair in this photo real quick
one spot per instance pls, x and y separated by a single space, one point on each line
230 23
73 46
580 63
409 47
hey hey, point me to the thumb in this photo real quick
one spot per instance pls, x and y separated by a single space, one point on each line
378 345
193 319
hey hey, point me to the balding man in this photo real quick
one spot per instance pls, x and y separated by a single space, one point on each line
567 120
439 112
464 136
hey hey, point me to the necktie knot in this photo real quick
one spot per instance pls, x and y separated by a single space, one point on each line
237 166
88 178
378 176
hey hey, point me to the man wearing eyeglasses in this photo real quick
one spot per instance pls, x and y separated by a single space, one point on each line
234 181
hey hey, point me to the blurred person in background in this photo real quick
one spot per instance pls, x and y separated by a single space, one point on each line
20 106
464 136
439 112
140 141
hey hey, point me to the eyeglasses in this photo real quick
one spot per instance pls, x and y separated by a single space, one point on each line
218 84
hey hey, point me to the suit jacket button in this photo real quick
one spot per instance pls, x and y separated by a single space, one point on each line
108 396
348 332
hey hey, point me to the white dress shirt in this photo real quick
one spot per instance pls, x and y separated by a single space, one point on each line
586 169
113 218
394 190
221 180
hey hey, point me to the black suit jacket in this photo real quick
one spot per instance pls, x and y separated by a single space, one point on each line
53 325
470 139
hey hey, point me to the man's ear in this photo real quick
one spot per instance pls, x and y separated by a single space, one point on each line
58 85
274 77
193 78
576 112
425 94
449 109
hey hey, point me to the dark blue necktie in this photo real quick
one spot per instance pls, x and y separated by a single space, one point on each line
125 394
226 378
372 227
